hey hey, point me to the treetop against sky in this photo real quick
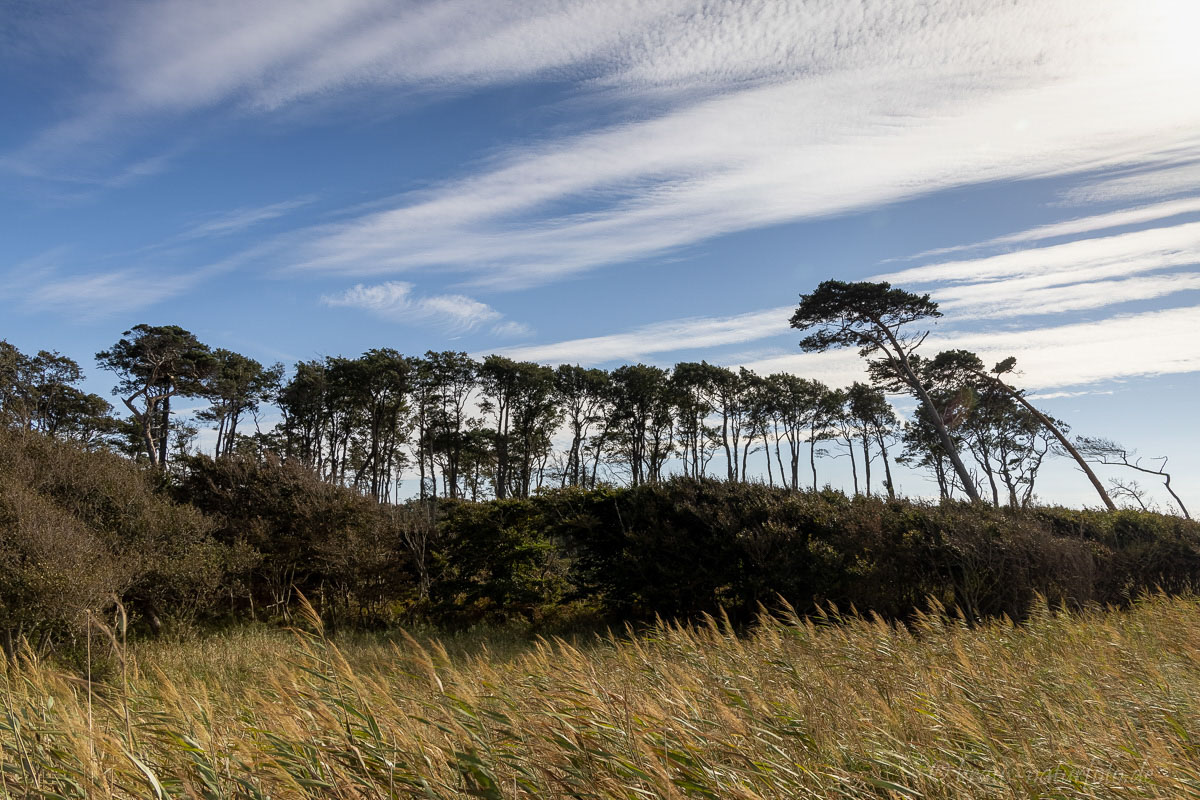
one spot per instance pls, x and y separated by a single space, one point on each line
619 181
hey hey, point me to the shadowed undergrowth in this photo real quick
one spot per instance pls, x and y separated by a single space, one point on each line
1091 705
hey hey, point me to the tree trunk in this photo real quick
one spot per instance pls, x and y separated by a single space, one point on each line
887 470
1062 438
867 461
932 414
166 431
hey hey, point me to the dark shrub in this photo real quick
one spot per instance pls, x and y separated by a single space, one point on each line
343 550
101 522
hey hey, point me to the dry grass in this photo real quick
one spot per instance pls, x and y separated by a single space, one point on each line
1097 705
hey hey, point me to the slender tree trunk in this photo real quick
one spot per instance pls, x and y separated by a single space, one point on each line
1063 440
1167 483
165 431
887 470
866 446
853 462
931 414
812 459
767 453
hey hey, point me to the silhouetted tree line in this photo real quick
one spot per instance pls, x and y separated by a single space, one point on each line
546 492
499 428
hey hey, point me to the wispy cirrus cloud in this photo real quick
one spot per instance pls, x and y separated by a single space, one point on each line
1162 181
753 154
1081 275
1073 276
1120 254
660 337
1081 225
240 219
395 301
913 97
96 295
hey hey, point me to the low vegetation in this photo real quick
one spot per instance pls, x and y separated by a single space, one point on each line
235 539
1092 705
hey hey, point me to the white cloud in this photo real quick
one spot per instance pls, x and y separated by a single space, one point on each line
1168 180
1024 297
395 301
1059 395
904 106
512 330
1073 227
660 337
1073 276
745 113
1121 254
101 294
242 218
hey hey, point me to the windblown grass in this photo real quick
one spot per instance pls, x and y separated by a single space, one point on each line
1092 705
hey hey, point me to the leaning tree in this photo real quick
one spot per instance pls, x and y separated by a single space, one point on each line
874 318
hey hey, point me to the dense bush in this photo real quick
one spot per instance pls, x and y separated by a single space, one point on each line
686 547
81 530
236 538
294 532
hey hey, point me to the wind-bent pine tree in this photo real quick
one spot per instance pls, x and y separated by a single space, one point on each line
872 316
153 364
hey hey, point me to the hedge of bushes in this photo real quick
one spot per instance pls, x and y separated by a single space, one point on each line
235 539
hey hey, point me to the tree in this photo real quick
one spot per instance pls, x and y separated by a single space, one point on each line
521 396
153 364
581 393
795 403
761 402
640 420
37 393
822 425
692 396
452 381
729 400
873 317
382 385
1105 451
875 421
236 386
964 361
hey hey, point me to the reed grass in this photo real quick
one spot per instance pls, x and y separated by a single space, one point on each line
1090 705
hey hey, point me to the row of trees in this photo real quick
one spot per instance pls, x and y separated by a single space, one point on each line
496 427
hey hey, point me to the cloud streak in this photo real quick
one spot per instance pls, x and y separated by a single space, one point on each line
1074 227
99 295
752 155
660 337
1108 256
242 218
913 97
395 301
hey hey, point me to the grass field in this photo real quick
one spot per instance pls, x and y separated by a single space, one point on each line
1092 705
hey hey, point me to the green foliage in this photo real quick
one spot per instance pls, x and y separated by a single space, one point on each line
79 530
861 314
298 532
685 547
496 562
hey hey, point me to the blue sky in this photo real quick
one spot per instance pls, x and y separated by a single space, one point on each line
598 182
